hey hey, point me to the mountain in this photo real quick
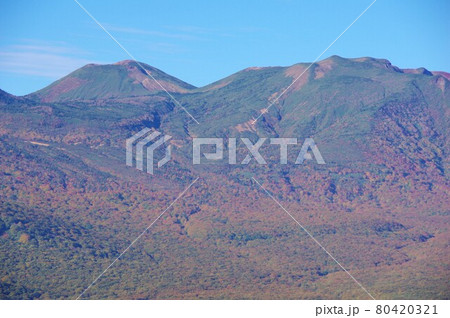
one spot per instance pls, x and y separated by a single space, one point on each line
338 101
6 98
69 205
123 79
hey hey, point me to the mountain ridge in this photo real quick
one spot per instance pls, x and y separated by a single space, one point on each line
137 83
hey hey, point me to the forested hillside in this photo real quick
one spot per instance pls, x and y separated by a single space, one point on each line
380 205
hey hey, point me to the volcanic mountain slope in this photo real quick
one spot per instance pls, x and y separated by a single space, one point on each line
123 79
70 205
6 98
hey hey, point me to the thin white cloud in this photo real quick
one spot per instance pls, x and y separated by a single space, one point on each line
161 34
183 32
41 59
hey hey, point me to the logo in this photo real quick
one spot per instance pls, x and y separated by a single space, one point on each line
143 140
253 150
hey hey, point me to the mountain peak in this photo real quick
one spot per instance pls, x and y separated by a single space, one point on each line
124 62
126 78
420 70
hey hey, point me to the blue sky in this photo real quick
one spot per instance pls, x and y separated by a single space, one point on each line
203 41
